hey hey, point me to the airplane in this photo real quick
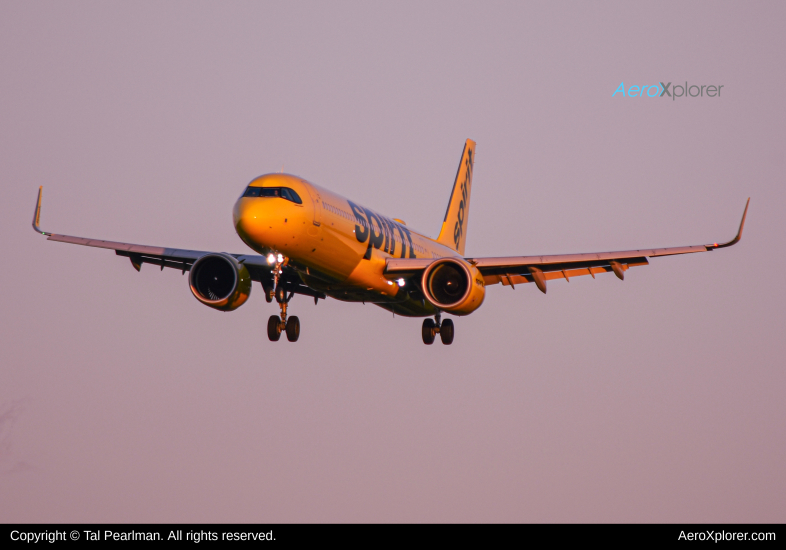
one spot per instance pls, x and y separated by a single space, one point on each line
316 243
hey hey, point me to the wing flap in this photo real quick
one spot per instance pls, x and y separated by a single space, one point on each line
558 272
491 264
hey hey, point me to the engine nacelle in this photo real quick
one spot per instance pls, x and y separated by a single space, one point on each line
454 286
220 281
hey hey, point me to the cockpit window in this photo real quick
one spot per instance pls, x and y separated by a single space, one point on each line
290 195
283 192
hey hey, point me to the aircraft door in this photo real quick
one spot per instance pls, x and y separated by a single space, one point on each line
316 200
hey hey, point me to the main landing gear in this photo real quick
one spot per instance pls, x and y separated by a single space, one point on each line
277 324
431 329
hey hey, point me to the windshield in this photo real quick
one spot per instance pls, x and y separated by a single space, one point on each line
281 192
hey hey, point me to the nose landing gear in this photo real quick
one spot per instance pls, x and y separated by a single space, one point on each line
277 324
432 328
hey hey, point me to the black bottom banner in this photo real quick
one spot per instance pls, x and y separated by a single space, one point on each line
275 534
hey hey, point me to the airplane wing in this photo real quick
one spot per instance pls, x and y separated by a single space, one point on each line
514 270
175 258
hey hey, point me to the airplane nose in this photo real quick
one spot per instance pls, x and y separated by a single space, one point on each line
269 222
237 212
256 222
244 216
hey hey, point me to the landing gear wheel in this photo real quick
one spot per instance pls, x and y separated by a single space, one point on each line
274 328
446 332
268 294
429 331
293 329
281 294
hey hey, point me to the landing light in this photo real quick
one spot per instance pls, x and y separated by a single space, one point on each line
271 258
401 282
280 258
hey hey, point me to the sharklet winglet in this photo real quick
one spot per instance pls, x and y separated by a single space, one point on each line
736 239
37 213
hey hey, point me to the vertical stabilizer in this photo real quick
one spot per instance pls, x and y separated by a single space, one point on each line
454 227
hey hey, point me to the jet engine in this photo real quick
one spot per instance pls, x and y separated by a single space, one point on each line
220 281
454 286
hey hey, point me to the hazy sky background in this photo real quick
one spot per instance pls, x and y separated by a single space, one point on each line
656 399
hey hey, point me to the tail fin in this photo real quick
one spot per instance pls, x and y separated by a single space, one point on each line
454 227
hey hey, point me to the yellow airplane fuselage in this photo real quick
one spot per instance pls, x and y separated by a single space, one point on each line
338 246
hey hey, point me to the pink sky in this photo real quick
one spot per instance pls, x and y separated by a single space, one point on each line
656 399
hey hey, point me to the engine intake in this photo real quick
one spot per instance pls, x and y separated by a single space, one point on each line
220 281
453 285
